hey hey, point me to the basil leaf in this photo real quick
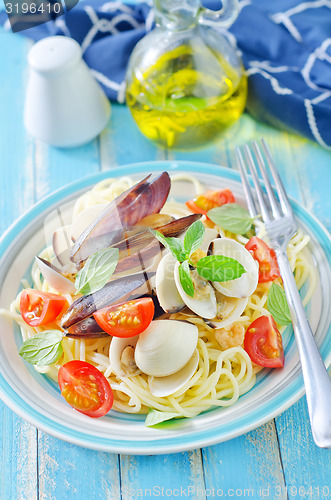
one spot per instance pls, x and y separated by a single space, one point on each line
219 268
185 278
193 237
155 417
97 270
173 244
231 217
278 306
43 348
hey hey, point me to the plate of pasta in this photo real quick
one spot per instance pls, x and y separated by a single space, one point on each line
142 310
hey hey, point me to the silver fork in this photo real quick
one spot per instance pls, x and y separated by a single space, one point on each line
281 226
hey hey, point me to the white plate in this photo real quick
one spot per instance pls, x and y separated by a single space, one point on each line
37 399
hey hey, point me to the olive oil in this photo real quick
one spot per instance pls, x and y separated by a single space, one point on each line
179 106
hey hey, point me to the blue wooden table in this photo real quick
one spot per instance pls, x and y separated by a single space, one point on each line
277 460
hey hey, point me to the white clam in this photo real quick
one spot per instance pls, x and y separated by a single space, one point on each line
165 347
164 386
247 283
84 219
55 278
166 288
229 310
203 303
208 237
117 346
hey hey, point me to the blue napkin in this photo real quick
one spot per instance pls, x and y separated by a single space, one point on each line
285 46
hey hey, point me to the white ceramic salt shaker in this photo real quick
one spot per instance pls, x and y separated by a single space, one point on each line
64 105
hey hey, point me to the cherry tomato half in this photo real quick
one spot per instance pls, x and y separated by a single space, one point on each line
263 343
266 257
40 308
210 199
85 388
127 319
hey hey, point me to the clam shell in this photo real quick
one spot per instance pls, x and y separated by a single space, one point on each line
55 278
164 386
208 237
117 346
231 311
203 305
247 283
165 347
166 288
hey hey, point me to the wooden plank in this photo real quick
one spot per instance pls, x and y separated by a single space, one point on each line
122 142
248 466
56 167
176 475
16 187
18 459
71 472
307 468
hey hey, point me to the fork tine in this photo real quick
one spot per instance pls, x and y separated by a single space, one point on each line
284 201
272 199
247 189
258 189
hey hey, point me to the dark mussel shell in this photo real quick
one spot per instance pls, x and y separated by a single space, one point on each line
125 211
88 328
139 249
112 292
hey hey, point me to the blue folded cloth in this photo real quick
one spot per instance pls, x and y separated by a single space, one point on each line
285 46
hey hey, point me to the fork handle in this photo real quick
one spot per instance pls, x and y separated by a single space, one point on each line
316 379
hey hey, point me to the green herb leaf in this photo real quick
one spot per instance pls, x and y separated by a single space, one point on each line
97 270
278 306
155 417
219 268
231 217
42 349
185 278
173 244
193 237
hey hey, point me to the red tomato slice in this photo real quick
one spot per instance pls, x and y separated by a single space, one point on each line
40 308
210 199
266 257
85 388
263 343
127 319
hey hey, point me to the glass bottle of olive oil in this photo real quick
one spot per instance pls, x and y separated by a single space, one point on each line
185 82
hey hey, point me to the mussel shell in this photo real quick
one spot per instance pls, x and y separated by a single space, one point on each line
125 211
113 291
88 328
